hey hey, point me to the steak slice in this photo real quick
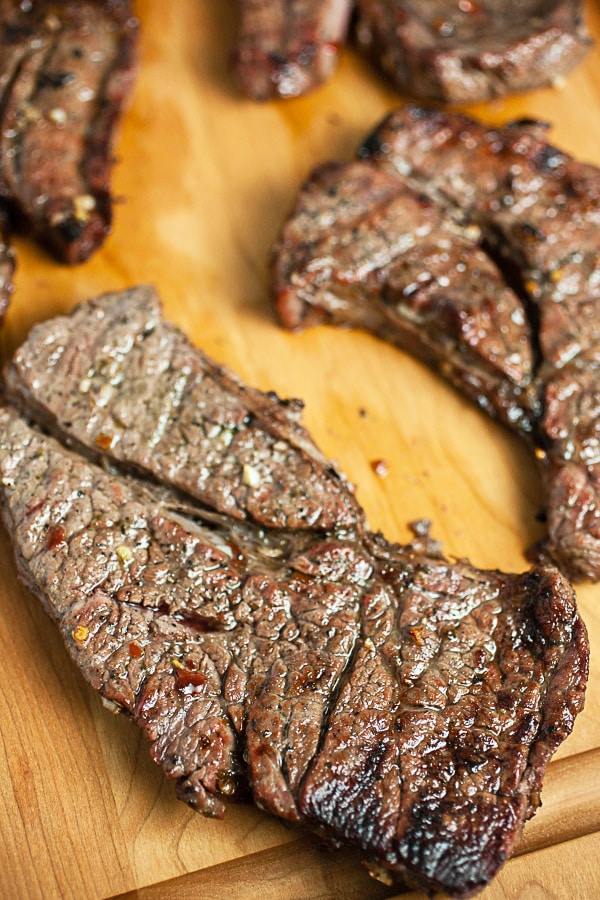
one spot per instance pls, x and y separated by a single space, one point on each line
376 694
540 209
501 295
117 379
363 248
66 72
286 48
475 50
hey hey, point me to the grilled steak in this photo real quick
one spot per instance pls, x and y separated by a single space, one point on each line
119 380
531 357
376 694
286 48
363 248
66 71
472 51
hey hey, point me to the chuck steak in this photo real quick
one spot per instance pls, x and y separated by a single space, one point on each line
288 47
475 50
119 380
511 316
376 694
66 72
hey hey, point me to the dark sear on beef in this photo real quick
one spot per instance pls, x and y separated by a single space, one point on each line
348 254
65 74
376 694
286 48
469 52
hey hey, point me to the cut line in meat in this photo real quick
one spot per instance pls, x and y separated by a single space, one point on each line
416 218
374 693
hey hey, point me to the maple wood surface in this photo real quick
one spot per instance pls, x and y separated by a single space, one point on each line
205 179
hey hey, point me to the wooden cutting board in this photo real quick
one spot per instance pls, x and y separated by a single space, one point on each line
206 178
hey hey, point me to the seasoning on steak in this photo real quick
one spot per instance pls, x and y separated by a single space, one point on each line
349 254
66 72
377 694
469 52
286 48
119 380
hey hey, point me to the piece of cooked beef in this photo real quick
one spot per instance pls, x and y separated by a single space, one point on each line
540 210
379 695
118 379
514 322
470 52
66 72
363 248
286 48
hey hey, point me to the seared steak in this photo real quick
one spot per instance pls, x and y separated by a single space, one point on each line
363 248
119 380
65 74
475 50
374 693
531 357
286 48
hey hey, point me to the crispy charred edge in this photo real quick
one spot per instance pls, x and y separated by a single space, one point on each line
73 240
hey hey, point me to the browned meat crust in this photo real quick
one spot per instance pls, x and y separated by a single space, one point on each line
377 694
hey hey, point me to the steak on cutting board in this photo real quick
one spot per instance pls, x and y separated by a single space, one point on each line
286 48
66 71
376 694
475 50
475 248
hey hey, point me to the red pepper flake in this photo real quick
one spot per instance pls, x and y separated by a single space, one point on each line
104 441
55 537
186 679
135 650
380 467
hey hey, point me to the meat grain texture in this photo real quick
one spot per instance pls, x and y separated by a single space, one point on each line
266 642
476 249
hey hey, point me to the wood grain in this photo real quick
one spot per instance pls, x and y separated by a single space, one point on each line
206 179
